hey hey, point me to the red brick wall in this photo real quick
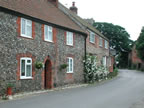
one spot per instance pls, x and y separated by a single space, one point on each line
112 64
135 58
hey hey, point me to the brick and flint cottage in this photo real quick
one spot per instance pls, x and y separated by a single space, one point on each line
96 43
37 31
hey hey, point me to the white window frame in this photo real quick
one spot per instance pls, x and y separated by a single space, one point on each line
100 41
110 61
69 68
106 44
69 38
47 36
104 61
92 37
26 25
26 64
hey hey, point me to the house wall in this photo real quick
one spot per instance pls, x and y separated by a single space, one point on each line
134 61
111 68
95 49
90 47
13 46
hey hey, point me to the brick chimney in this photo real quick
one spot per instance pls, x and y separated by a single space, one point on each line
73 8
55 2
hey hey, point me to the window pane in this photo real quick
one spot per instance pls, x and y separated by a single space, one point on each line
22 67
68 65
29 30
28 70
71 65
50 36
23 26
67 39
28 61
46 32
71 38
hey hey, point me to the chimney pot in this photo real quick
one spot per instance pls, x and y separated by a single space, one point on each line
73 8
73 4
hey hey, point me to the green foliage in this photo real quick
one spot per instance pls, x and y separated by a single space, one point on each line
63 66
39 65
3 93
140 45
10 85
119 40
113 74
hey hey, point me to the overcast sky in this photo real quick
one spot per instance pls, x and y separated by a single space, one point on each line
126 13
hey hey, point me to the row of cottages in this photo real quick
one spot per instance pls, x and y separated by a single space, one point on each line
96 43
39 31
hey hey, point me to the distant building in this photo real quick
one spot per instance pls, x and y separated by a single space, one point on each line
134 61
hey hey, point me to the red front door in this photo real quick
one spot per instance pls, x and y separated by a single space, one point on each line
48 75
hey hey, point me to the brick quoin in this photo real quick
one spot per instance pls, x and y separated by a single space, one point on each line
18 57
19 29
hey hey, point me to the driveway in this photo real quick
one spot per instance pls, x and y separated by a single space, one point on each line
126 91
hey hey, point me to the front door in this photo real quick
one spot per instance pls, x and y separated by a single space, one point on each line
48 75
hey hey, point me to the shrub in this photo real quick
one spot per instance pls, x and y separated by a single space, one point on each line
63 66
92 71
39 65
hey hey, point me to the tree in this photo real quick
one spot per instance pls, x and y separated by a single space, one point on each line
140 45
119 40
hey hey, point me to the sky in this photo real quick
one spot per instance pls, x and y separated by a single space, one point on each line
126 13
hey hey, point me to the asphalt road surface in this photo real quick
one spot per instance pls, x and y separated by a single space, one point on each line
125 91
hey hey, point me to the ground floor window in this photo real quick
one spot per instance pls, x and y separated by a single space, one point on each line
104 61
70 65
25 68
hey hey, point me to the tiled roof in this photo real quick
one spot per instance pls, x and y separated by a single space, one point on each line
80 20
43 10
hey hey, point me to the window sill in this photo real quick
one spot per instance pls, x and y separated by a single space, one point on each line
92 42
69 72
26 36
48 41
69 45
29 78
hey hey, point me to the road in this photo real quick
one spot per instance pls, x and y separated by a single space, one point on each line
125 91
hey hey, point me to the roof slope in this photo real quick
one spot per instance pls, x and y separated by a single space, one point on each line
41 9
80 20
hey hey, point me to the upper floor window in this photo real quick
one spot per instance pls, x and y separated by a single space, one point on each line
48 33
25 68
100 42
92 37
70 65
26 28
106 44
69 38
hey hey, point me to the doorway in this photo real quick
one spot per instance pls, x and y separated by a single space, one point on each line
48 75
